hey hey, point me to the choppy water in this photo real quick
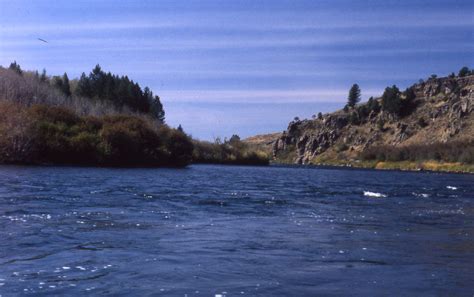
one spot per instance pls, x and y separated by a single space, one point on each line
234 231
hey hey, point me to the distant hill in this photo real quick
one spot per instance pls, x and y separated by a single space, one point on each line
428 126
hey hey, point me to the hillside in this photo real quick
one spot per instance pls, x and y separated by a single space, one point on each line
99 119
428 126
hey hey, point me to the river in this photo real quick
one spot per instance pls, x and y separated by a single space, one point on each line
235 231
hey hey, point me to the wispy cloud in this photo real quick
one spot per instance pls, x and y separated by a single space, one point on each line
249 52
260 96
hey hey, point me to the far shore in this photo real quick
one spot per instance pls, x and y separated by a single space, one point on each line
424 166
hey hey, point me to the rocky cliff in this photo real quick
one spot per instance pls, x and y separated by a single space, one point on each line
439 111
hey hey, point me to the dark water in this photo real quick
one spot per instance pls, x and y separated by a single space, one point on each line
235 231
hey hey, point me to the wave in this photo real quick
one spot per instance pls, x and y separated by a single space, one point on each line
424 195
374 194
451 188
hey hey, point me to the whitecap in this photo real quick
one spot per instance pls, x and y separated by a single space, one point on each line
424 195
374 194
451 188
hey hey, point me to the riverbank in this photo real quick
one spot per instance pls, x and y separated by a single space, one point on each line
431 165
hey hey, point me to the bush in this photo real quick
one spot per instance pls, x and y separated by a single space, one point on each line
45 134
458 151
229 152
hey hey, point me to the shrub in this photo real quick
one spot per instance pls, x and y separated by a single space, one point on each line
46 134
181 147
229 152
458 151
16 136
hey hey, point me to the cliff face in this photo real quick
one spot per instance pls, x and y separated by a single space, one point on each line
440 112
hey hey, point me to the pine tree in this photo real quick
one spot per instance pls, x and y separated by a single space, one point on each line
157 109
354 95
391 101
84 86
464 72
16 67
43 77
66 88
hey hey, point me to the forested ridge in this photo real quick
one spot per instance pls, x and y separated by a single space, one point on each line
98 119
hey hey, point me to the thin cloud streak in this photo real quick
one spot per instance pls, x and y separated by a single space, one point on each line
260 96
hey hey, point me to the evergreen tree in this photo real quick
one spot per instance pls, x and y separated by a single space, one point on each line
16 67
43 77
58 82
157 109
234 139
391 101
66 88
83 86
354 95
464 72
97 82
121 91
180 129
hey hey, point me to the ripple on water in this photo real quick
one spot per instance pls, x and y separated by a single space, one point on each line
234 230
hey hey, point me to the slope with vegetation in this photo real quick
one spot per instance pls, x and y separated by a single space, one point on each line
430 125
98 119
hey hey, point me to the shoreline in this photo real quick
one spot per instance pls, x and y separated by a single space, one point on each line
404 166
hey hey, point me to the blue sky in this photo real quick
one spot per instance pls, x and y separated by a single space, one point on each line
243 66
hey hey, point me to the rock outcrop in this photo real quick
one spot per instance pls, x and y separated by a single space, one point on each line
440 112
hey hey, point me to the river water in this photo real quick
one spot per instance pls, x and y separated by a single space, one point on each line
235 231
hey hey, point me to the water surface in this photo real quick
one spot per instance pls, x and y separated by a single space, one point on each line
234 231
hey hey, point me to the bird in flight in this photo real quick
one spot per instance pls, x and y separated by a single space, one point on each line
40 39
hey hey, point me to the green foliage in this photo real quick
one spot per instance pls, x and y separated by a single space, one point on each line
66 88
121 91
408 104
391 100
16 67
464 72
373 105
62 84
354 95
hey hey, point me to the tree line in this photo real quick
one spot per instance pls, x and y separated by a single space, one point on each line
103 86
99 119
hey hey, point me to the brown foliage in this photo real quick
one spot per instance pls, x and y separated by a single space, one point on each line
458 151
